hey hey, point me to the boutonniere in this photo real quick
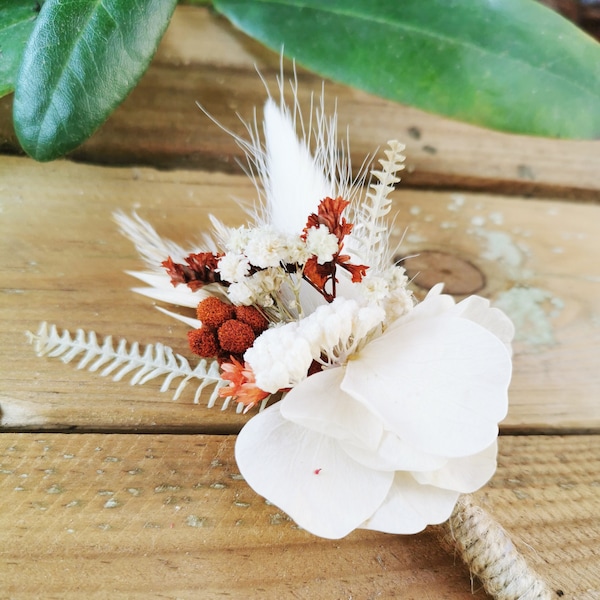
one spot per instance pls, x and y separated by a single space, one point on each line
366 409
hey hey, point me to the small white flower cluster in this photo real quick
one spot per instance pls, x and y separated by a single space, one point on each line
262 267
321 243
264 247
257 289
259 261
282 356
388 290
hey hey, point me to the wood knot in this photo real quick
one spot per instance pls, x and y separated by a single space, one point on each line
459 276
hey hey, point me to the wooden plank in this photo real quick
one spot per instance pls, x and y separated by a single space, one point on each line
63 261
202 58
169 517
144 516
62 256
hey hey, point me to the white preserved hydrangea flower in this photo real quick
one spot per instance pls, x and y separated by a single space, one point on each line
396 433
403 414
321 243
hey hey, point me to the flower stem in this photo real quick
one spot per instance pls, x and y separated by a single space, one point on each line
488 551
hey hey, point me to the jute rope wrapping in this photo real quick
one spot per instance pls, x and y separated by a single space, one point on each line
489 553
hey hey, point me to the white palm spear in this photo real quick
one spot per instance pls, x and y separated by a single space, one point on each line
154 249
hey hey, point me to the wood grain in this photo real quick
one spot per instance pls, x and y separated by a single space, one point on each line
63 261
203 59
164 516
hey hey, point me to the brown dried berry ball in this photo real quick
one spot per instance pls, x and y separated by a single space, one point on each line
235 337
253 317
203 342
214 312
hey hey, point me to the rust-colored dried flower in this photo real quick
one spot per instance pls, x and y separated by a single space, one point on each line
242 385
235 337
214 312
203 342
200 270
253 317
329 213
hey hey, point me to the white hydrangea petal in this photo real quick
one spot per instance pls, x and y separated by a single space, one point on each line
434 304
307 475
319 404
465 475
441 383
410 507
393 454
477 309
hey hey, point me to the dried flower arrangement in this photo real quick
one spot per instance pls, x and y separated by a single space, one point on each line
357 396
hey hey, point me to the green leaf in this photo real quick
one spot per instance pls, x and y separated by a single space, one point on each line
512 65
17 18
83 58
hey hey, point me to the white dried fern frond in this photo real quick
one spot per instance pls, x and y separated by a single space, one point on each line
369 239
142 363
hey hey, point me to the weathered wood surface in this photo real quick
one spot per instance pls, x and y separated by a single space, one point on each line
138 516
113 512
64 261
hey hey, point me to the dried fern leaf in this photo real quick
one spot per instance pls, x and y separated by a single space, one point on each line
369 237
143 364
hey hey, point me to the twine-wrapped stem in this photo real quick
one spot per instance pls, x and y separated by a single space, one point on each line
489 553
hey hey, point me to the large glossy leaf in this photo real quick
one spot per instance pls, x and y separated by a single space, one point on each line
17 18
83 58
512 65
